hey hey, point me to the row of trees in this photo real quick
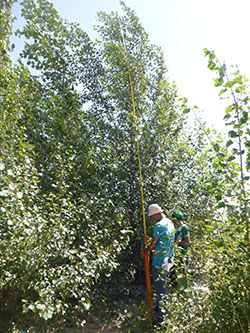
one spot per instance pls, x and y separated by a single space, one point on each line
70 198
222 254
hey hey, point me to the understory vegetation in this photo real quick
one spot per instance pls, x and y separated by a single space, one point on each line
71 230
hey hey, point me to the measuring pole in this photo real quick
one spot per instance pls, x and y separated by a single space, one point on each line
147 254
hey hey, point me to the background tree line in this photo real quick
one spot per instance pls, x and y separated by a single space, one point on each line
70 199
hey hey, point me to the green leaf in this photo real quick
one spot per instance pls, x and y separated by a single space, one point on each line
229 143
232 134
218 197
212 65
228 109
244 118
221 205
218 82
229 84
222 92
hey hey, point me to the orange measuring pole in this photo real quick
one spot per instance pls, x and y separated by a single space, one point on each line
148 282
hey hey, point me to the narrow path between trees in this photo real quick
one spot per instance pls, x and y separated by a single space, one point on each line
125 314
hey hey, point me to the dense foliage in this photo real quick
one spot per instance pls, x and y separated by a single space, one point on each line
217 299
70 214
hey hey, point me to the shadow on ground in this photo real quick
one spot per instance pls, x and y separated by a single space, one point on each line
128 314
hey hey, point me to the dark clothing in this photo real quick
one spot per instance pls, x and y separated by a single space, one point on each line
159 289
159 281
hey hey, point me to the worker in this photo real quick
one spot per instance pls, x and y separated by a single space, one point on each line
162 245
182 238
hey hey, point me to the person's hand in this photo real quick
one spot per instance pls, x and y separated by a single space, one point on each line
144 252
147 242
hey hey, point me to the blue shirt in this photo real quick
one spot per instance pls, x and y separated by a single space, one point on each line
165 232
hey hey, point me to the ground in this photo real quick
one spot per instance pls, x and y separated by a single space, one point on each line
126 314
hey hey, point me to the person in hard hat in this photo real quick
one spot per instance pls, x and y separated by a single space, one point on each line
162 245
182 236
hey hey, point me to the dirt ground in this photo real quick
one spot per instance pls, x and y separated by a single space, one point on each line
128 314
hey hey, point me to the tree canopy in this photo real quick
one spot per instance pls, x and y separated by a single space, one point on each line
71 214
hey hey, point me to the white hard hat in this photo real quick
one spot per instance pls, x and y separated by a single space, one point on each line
154 209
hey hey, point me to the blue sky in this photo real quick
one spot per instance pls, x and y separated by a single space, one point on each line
182 28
